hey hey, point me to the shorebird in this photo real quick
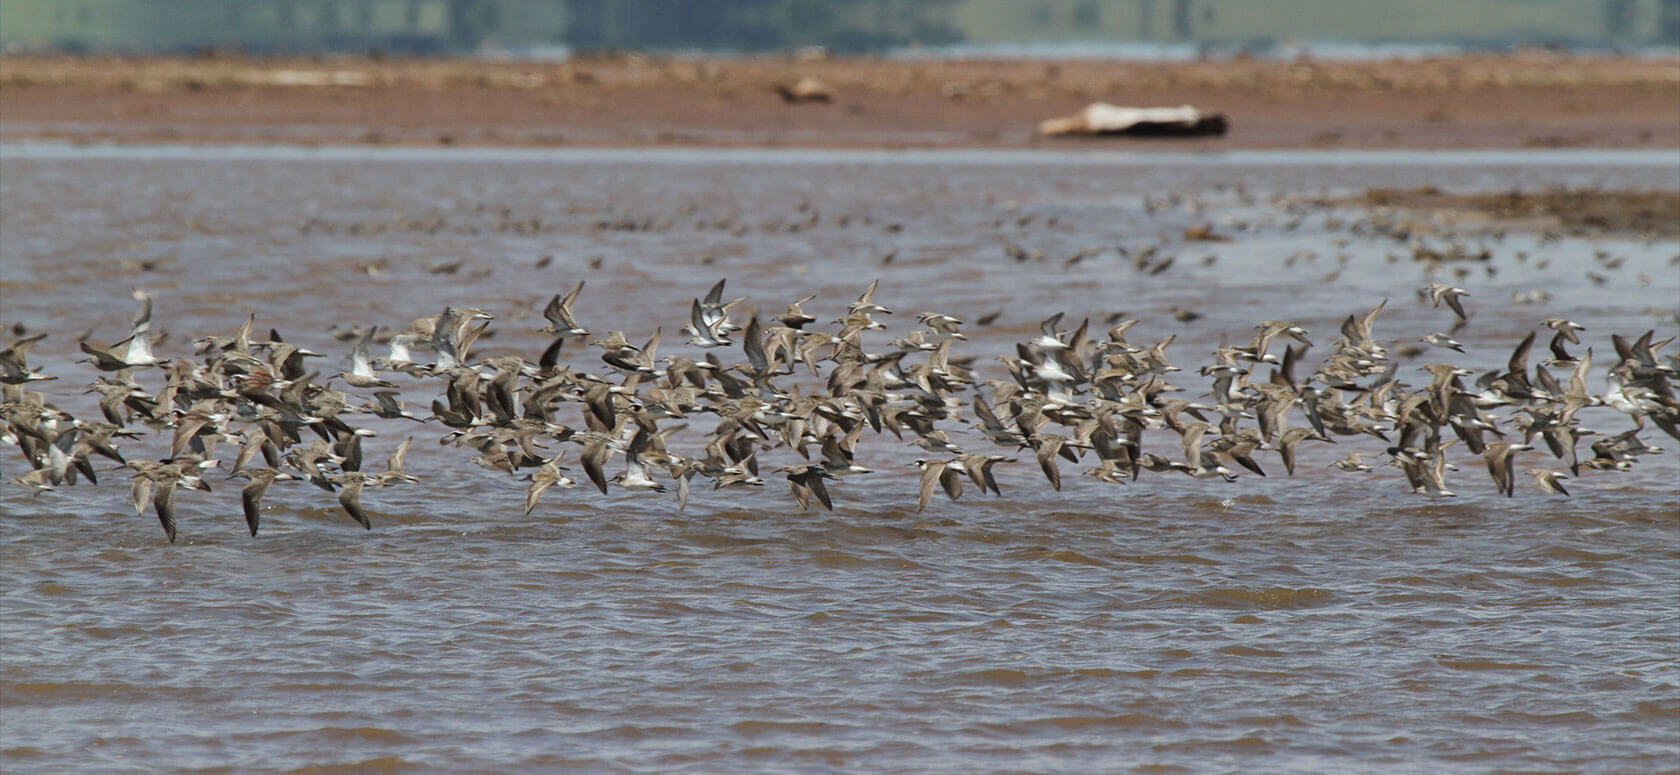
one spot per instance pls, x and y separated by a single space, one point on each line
979 469
620 355
361 366
163 499
158 482
130 353
401 357
795 317
1500 464
388 405
1270 329
1046 446
240 342
1550 481
1565 328
714 311
1241 445
597 450
805 481
1110 472
1442 340
549 475
251 496
314 463
729 479
393 473
865 304
444 333
703 333
837 460
1358 333
943 325
1049 338
13 368
1439 292
1208 467
635 476
559 315
936 441
1353 462
989 425
350 495
1190 439
39 480
1432 474
936 474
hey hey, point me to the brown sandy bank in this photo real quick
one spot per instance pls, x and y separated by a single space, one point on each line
1576 211
1527 99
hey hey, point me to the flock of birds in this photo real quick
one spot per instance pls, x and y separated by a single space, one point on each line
1068 396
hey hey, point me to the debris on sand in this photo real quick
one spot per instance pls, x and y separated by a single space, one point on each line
806 89
1101 118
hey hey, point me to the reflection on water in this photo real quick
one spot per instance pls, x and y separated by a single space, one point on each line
1325 622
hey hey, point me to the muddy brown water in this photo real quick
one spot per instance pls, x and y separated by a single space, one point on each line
1327 622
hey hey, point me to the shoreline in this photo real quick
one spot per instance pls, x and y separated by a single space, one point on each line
1522 100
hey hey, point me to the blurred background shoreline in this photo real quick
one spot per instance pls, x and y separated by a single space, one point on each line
1109 29
1529 98
891 73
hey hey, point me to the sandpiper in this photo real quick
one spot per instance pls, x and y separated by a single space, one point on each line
936 474
548 475
805 481
559 315
251 496
361 365
1548 480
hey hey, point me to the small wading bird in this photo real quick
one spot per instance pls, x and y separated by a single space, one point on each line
819 399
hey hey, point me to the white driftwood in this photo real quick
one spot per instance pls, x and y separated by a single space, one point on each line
1101 118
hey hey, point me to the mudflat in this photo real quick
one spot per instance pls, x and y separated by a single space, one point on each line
1526 99
1578 211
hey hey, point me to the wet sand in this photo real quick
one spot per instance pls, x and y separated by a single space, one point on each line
1531 99
1576 211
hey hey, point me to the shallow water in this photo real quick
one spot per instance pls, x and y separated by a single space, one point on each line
1327 622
